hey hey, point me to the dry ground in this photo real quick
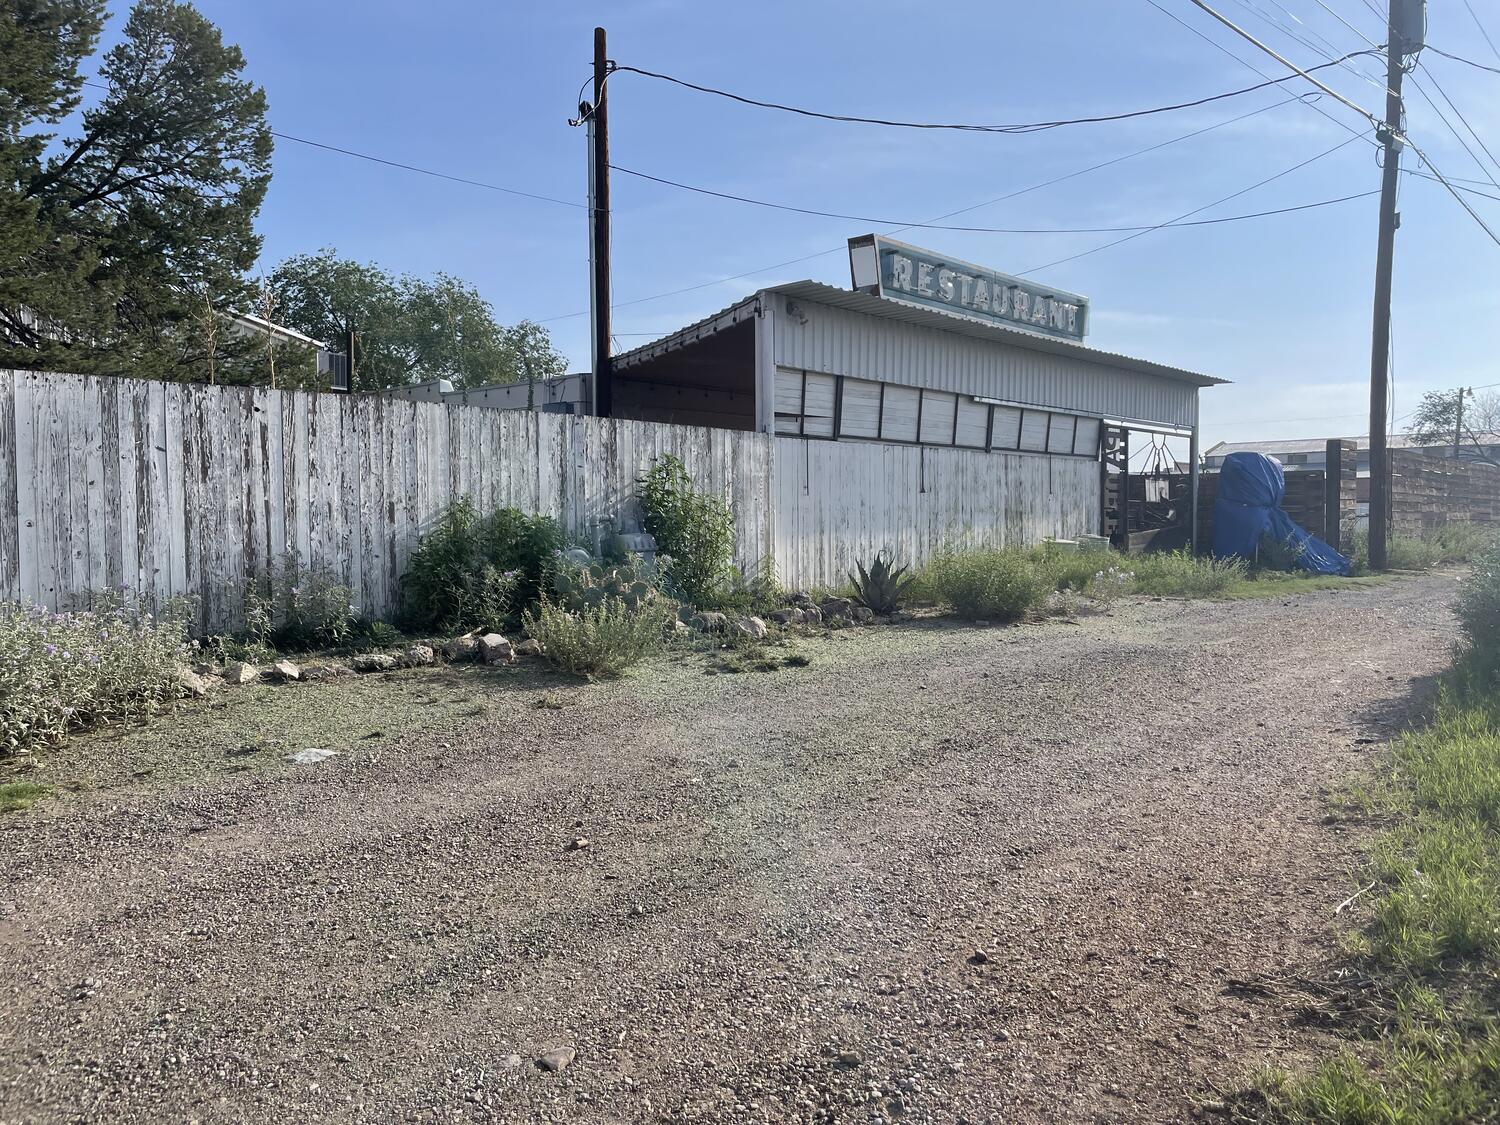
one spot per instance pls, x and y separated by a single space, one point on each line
777 917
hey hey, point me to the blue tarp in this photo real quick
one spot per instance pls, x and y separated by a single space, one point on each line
1248 507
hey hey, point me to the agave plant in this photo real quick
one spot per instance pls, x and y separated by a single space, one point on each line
881 586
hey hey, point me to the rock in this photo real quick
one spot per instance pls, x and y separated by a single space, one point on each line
286 671
979 957
324 672
862 614
529 647
192 683
206 668
511 1062
801 598
578 844
461 648
240 673
711 622
787 616
752 627
418 656
311 756
494 648
812 615
373 662
557 1058
681 626
836 607
578 556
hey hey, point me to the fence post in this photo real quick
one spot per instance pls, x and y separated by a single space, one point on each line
1333 479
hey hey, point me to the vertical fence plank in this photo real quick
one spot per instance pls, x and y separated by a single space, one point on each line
10 512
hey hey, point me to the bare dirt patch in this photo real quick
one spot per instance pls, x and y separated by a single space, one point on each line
942 873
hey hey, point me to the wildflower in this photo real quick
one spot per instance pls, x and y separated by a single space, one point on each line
52 650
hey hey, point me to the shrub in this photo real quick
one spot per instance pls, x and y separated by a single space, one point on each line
1479 603
1185 575
1463 542
987 584
295 607
602 640
881 586
694 529
59 671
473 571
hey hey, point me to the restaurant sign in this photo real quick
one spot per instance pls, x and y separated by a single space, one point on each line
899 272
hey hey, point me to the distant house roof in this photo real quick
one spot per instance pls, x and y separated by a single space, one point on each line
252 323
896 310
1319 445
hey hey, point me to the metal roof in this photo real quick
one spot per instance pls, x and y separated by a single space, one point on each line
895 310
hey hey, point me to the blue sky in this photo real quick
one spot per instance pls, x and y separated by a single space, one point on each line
1280 305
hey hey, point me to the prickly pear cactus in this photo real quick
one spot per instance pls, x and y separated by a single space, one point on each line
588 587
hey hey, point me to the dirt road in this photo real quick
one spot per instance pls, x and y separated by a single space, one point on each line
941 874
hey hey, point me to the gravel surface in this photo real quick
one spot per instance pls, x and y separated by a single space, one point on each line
941 874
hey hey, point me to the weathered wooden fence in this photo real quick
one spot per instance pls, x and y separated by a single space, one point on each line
172 488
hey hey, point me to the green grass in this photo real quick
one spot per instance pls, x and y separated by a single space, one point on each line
1431 934
18 795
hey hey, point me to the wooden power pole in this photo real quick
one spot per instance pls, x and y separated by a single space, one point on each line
598 120
1401 40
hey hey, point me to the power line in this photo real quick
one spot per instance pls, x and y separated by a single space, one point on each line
1460 58
1242 33
1028 127
1478 139
409 167
1475 17
1434 179
1379 125
1194 211
950 214
911 225
1216 45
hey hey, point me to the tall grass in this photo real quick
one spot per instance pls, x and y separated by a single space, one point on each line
1432 934
601 640
988 584
1184 575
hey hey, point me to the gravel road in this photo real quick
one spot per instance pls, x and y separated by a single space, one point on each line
941 874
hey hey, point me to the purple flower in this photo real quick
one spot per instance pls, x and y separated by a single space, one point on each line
52 650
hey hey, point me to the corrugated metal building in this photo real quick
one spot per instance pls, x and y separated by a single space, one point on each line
809 360
774 362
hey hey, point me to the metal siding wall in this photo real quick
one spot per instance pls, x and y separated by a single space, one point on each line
913 501
843 342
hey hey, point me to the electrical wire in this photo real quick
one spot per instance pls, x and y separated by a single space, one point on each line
1436 171
409 167
430 172
1028 127
1478 139
911 225
1460 58
1216 45
1475 17
1194 211
951 214
1434 179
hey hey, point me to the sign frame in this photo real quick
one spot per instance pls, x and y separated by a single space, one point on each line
926 279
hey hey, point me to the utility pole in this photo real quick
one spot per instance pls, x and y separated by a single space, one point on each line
1458 421
598 121
1400 41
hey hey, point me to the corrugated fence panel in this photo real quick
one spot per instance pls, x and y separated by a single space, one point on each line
914 501
176 489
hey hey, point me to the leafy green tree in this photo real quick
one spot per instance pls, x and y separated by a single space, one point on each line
114 242
409 329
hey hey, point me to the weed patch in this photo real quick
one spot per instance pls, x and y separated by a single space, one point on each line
18 795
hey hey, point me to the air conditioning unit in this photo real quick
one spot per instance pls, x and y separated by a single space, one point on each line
335 365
